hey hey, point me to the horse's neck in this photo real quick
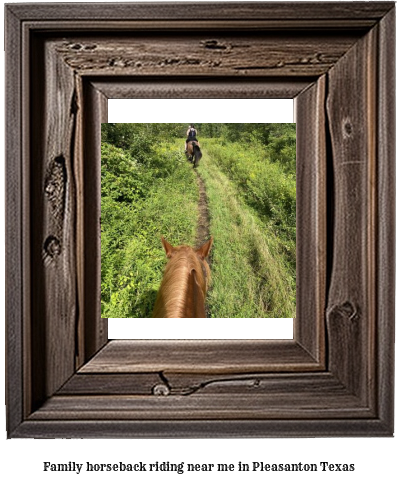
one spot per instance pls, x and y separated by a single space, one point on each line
181 294
195 299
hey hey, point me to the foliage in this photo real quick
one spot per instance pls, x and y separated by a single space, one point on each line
138 138
251 276
278 139
148 189
267 186
140 201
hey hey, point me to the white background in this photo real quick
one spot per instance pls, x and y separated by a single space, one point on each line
206 111
375 459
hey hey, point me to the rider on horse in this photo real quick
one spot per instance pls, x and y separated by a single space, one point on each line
191 135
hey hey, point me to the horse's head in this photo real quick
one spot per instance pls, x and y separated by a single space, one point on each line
185 282
200 254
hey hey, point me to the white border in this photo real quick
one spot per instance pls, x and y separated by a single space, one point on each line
201 328
201 110
210 111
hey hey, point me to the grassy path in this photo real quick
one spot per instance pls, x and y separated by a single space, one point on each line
203 213
249 275
164 202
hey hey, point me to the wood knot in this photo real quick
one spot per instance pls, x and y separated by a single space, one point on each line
346 310
54 186
213 44
161 390
347 128
50 189
349 310
90 47
51 248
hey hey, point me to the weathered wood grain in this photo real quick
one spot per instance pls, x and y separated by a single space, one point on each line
175 88
244 388
185 384
244 11
268 383
311 219
95 329
113 384
78 174
53 214
242 55
200 356
385 272
190 428
352 122
359 25
205 407
15 258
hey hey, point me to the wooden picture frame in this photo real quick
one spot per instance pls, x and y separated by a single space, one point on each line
335 378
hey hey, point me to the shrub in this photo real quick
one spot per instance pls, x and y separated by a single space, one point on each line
141 199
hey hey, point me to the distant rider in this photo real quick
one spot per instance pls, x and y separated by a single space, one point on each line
191 135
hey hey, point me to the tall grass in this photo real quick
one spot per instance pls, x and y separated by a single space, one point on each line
138 205
149 189
251 277
267 185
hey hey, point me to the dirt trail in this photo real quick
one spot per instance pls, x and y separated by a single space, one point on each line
203 223
203 219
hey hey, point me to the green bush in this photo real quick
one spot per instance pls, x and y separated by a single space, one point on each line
149 190
266 186
141 200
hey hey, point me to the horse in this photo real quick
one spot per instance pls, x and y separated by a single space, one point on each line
185 282
194 153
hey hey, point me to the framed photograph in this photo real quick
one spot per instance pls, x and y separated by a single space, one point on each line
236 191
65 378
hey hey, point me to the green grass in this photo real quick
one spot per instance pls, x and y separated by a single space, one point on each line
264 183
250 275
150 190
132 256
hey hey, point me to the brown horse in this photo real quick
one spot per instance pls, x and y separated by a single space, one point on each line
185 282
194 153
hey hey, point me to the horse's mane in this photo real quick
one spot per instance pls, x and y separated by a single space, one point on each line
183 289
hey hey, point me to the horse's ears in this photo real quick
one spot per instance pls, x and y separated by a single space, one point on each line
168 248
203 251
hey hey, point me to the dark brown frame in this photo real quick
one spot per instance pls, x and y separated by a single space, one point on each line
64 379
